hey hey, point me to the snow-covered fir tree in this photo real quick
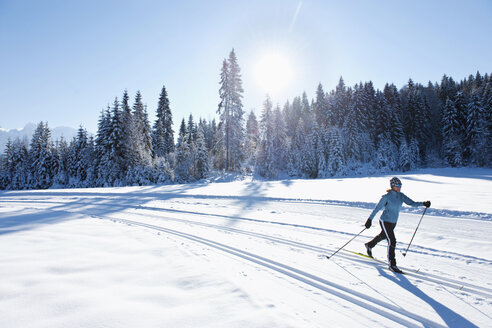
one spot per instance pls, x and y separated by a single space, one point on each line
487 106
356 130
6 166
192 130
451 134
370 111
202 162
387 153
393 101
127 128
43 165
103 149
405 156
139 171
162 132
476 131
336 162
318 144
345 131
184 163
79 159
265 161
280 141
322 110
231 112
341 102
116 144
251 140
62 155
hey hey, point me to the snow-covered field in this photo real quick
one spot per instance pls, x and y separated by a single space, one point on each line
246 254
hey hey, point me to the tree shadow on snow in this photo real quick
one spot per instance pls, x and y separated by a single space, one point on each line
450 317
27 221
100 203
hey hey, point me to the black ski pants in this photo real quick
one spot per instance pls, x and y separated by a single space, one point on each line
388 233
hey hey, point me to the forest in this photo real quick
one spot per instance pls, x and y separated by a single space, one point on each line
350 130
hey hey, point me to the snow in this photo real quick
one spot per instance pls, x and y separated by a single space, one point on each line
28 130
246 254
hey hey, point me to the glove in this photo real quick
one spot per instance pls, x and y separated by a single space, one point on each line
368 223
427 203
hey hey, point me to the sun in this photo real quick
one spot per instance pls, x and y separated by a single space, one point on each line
273 72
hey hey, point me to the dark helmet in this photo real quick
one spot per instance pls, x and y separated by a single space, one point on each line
395 182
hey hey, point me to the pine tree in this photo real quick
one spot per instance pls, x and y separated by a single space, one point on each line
319 143
292 114
423 129
202 165
252 140
451 135
231 112
476 131
309 156
266 151
192 130
370 111
41 158
62 155
80 159
383 114
7 167
184 164
128 130
417 119
162 132
116 144
279 140
393 102
322 109
447 89
140 169
141 139
307 114
487 106
335 164
415 159
212 136
78 166
21 165
103 149
355 126
341 101
405 157
387 153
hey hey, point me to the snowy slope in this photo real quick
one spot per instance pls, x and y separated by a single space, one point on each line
246 254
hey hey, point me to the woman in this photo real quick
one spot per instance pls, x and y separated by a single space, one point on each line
391 202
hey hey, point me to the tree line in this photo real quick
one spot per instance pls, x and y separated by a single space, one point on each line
349 130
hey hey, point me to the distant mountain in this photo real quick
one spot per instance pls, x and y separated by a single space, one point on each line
56 133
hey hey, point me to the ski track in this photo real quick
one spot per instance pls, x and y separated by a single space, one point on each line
469 215
460 285
364 301
429 277
388 309
421 249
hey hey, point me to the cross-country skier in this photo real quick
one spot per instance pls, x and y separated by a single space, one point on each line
391 202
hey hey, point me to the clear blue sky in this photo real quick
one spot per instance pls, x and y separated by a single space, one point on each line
63 61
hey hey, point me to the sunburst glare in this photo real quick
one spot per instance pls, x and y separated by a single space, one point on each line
273 72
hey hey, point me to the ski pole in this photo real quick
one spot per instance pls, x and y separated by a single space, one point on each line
405 253
328 257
